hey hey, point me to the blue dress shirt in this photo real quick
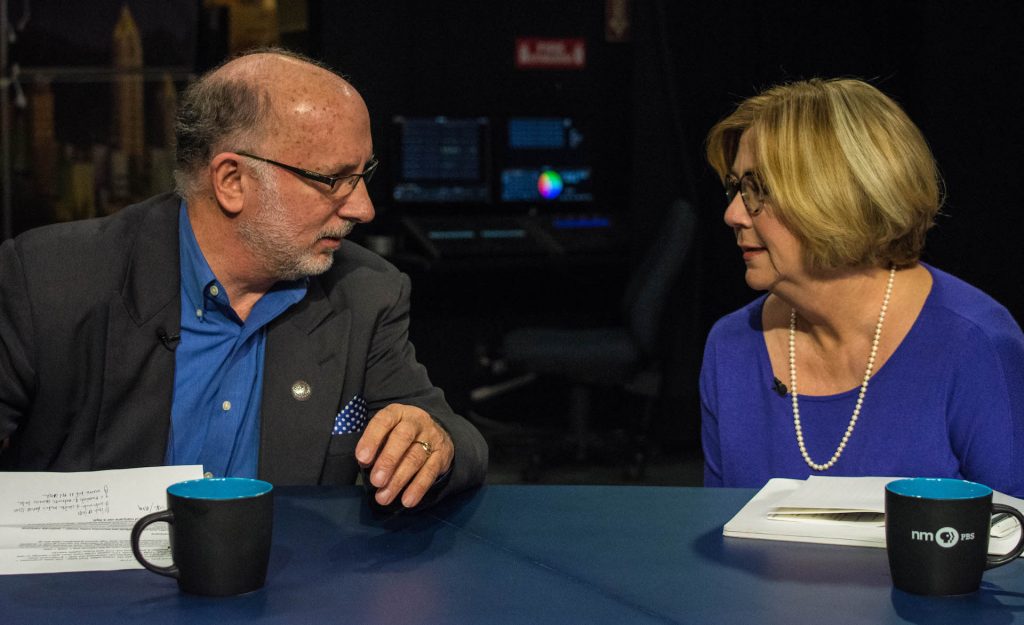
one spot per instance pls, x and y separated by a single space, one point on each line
218 367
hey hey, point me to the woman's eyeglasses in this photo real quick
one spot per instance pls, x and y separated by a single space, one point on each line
749 188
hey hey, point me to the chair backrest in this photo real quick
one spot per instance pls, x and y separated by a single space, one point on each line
651 283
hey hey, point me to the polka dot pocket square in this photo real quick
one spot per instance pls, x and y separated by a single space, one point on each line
352 418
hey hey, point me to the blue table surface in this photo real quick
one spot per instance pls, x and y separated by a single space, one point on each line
525 554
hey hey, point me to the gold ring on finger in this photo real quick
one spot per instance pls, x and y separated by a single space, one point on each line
427 447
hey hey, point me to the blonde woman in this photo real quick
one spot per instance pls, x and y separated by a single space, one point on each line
859 359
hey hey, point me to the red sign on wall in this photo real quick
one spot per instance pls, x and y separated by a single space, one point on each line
542 53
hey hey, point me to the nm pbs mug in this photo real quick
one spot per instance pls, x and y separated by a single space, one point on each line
937 533
220 531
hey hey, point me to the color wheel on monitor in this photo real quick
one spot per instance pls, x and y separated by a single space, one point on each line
549 184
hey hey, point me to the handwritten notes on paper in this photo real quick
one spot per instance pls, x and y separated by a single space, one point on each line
82 502
61 522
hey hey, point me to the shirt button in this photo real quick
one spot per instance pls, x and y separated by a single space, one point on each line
207 475
226 406
214 291
199 312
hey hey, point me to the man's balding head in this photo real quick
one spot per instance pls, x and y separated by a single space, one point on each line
233 105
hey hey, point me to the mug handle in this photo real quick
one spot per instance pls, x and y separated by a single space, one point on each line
167 517
994 561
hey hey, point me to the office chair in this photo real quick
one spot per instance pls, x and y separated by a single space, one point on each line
627 356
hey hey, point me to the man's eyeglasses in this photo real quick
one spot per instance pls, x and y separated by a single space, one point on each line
345 183
749 188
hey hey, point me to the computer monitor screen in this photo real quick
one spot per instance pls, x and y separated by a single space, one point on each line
545 161
442 160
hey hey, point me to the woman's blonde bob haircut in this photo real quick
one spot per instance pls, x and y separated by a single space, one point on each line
845 170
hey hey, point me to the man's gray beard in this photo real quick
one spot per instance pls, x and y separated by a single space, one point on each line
267 234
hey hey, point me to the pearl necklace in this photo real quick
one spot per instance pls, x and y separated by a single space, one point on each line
863 385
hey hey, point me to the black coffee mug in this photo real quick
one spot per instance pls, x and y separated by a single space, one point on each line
937 533
220 531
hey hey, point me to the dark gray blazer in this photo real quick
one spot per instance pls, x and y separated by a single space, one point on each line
86 384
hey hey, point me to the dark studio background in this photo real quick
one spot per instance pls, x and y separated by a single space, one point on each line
645 105
956 67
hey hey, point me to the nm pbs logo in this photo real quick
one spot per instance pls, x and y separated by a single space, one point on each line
945 537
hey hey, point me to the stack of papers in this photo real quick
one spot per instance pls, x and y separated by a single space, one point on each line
838 511
63 522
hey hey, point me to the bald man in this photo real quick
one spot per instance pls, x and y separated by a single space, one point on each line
229 324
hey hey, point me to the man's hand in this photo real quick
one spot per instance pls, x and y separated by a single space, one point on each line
405 446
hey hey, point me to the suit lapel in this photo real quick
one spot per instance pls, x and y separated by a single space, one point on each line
134 419
303 378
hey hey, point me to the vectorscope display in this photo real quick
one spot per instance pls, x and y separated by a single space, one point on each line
545 161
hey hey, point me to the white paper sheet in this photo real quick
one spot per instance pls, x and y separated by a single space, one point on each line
63 522
836 500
